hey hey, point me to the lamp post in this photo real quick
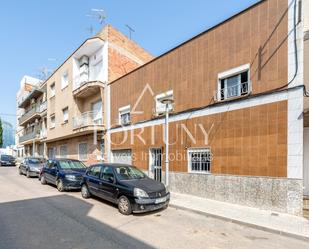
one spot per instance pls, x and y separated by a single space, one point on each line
167 102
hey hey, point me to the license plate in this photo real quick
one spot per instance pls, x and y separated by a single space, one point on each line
160 200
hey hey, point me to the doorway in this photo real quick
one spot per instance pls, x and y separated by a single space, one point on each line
155 164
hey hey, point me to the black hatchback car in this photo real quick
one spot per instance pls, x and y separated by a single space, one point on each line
66 174
7 160
126 186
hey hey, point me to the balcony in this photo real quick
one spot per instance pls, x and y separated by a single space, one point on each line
88 122
84 87
30 134
33 113
26 100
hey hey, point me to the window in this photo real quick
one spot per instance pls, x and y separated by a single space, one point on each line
160 107
65 113
63 151
64 80
96 108
51 152
94 171
52 121
199 160
52 90
124 115
107 173
82 152
234 83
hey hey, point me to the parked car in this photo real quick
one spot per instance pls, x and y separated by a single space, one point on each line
7 160
31 166
66 174
126 186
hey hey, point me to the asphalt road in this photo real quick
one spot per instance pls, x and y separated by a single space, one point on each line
36 216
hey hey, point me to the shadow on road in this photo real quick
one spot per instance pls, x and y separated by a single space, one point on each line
58 222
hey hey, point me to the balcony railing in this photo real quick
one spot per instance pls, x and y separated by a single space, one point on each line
233 91
30 134
80 80
87 119
37 109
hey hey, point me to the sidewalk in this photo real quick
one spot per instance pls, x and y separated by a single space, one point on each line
280 223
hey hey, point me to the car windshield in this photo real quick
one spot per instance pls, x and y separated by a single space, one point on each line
6 158
68 164
36 160
129 173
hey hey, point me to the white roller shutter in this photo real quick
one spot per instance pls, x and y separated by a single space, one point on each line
122 156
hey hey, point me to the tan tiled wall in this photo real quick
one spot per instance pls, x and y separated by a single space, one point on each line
250 141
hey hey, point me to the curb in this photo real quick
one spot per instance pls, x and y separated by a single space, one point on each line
259 227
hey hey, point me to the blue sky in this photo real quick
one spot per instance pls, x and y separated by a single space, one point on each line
34 31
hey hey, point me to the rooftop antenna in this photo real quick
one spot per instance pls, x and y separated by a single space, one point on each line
44 73
98 14
90 29
130 31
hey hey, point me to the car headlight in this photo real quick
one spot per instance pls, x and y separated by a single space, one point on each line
140 193
70 177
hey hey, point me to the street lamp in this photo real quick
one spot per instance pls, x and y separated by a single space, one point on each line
167 102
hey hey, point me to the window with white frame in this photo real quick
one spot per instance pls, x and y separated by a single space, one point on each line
52 89
64 80
51 152
234 83
199 160
63 151
52 121
65 113
124 115
160 107
82 151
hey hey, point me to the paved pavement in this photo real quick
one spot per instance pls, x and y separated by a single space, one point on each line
36 216
264 219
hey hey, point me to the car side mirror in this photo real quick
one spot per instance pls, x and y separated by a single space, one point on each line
111 179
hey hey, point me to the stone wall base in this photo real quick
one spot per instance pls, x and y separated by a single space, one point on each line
276 194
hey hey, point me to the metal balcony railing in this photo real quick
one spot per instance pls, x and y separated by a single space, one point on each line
29 134
233 91
37 109
87 119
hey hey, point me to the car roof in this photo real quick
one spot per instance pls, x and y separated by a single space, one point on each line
64 159
113 165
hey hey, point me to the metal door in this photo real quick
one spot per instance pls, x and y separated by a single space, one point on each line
156 164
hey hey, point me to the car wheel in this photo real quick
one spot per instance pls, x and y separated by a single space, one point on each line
43 181
60 186
85 192
27 174
124 205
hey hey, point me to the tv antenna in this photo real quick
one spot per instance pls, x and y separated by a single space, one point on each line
44 73
130 31
90 29
98 14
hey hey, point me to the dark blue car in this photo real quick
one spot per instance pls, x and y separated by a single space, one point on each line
66 174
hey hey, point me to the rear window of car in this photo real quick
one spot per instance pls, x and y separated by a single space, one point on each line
68 164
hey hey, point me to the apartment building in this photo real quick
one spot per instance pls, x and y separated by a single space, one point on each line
65 115
29 117
237 112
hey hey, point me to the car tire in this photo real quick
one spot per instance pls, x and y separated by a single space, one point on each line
43 181
124 205
27 174
85 192
60 186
